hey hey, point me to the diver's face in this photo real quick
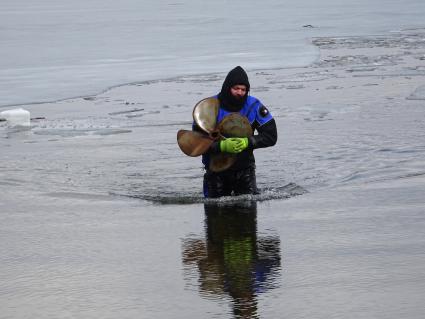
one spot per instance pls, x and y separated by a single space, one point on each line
238 91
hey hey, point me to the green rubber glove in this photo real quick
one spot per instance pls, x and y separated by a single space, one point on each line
234 145
230 145
243 143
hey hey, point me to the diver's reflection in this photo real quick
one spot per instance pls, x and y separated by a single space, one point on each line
234 260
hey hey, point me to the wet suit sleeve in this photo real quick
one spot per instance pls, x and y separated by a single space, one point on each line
267 135
266 127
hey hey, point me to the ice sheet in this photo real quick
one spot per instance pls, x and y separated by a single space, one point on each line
52 50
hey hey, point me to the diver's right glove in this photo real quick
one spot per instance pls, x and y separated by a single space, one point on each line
231 145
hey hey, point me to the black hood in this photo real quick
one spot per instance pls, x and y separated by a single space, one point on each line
234 77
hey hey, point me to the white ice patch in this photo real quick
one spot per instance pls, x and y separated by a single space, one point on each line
16 117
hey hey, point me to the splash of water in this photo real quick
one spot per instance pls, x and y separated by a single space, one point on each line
282 192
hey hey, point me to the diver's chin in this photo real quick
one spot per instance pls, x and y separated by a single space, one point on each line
238 97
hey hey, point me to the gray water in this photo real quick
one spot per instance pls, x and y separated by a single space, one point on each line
102 216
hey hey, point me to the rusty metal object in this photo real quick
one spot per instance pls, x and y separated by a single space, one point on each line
205 116
193 143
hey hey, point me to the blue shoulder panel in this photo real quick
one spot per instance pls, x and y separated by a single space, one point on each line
253 110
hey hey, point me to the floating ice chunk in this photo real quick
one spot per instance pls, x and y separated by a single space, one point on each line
418 94
16 117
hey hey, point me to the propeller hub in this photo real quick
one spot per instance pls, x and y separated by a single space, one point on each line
215 135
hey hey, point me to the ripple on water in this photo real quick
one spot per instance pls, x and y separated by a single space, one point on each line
81 132
283 192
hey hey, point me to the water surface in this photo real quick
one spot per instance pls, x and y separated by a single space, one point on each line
102 216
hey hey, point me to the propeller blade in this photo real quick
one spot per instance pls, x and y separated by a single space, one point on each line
193 143
221 161
235 125
205 115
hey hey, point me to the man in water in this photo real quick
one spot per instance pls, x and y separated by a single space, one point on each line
240 177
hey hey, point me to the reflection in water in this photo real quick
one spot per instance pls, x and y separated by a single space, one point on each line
233 260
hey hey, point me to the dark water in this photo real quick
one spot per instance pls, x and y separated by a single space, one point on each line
355 252
232 261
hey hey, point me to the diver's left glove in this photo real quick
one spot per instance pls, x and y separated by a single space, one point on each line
243 143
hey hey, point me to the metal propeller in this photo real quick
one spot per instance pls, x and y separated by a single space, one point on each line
194 143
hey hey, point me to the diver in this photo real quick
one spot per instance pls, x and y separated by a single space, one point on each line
240 178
